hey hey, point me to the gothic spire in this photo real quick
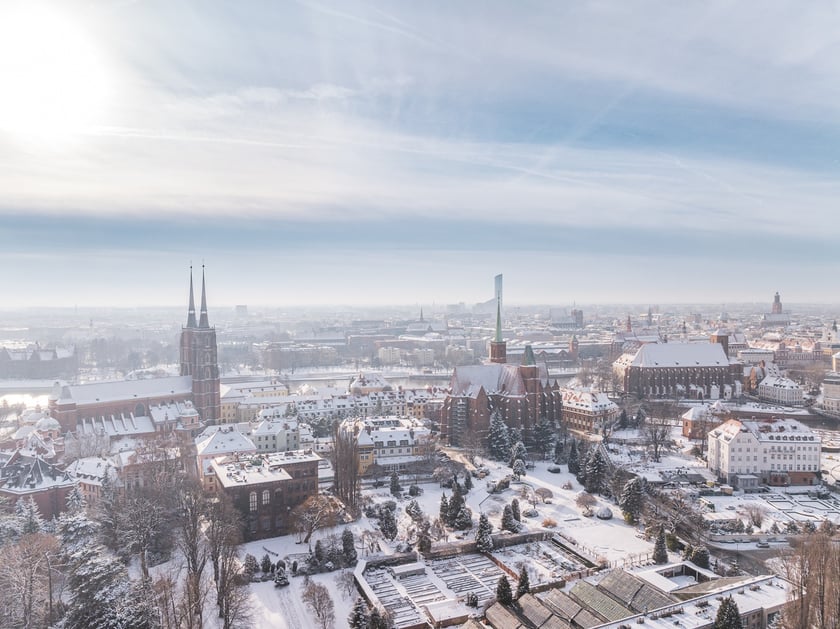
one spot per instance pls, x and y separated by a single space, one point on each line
498 320
191 312
203 322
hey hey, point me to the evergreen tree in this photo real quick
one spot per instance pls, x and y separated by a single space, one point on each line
514 508
348 547
444 509
574 460
359 616
596 469
414 511
544 437
700 557
518 469
320 555
503 592
265 564
396 488
388 524
517 452
728 616
424 538
622 420
483 539
29 516
509 523
660 550
377 621
558 452
468 484
631 500
498 438
524 584
250 567
100 591
456 503
463 520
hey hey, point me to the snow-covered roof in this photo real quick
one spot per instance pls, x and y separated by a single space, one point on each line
587 400
780 382
468 380
680 355
91 469
125 389
265 468
226 440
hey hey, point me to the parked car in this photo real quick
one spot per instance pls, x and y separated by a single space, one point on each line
762 545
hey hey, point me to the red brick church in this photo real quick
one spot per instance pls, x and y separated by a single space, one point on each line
521 393
144 408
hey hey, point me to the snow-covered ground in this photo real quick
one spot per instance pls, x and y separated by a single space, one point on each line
610 540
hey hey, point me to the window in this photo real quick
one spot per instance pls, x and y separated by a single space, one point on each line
266 497
253 501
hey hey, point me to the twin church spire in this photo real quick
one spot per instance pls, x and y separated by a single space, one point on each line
203 321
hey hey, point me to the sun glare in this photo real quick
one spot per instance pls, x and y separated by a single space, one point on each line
52 81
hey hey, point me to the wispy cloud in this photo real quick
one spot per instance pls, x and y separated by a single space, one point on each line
652 123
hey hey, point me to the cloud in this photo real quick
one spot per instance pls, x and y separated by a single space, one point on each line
626 129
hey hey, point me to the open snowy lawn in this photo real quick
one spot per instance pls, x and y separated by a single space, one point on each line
282 608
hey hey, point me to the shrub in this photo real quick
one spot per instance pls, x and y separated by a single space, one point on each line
549 523
554 469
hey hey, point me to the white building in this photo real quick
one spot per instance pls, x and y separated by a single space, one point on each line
831 393
588 411
777 389
777 452
218 441
275 433
389 355
390 442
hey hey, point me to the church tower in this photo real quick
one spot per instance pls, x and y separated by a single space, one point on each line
498 348
199 357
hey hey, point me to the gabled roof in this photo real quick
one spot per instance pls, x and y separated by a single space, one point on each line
493 378
680 355
125 389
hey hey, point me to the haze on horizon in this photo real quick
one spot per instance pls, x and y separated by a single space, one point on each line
400 153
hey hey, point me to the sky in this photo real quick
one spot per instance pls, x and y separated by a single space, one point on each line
405 152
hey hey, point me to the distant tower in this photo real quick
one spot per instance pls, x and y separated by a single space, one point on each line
650 316
498 348
574 347
199 357
777 304
629 326
721 337
498 282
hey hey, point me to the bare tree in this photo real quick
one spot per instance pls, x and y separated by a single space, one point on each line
657 430
346 467
142 523
544 493
315 513
756 514
191 542
813 567
25 580
319 601
346 582
586 501
224 534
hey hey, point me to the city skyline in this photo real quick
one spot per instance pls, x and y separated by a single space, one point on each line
397 154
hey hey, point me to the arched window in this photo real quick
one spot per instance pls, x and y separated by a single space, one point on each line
266 496
253 501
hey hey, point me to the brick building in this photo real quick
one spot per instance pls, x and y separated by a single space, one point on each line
265 488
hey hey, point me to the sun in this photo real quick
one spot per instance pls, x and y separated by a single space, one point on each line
53 83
